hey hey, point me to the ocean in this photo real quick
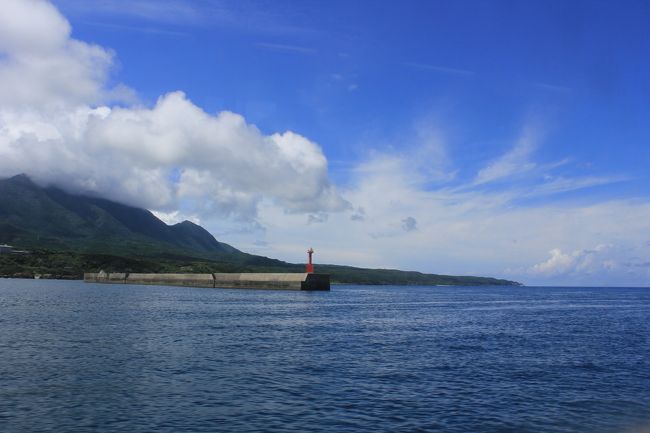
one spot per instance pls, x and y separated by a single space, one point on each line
118 358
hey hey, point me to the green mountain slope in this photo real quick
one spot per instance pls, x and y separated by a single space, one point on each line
35 217
68 234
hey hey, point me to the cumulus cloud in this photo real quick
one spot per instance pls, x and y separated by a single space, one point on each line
579 261
57 126
41 65
558 263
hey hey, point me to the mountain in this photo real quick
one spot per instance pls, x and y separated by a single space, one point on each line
36 217
68 234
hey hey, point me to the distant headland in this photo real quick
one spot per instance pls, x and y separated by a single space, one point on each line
49 233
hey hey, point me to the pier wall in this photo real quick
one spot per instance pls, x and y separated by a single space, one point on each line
284 281
192 280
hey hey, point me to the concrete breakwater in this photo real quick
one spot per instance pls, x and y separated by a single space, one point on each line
293 281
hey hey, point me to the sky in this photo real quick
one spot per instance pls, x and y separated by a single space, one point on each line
496 138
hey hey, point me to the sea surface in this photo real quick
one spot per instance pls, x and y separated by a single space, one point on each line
78 357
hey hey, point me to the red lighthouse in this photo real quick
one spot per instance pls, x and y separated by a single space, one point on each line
310 266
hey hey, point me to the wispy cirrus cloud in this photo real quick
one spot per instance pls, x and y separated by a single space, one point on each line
439 68
169 11
138 29
249 16
552 87
286 48
516 161
557 185
518 170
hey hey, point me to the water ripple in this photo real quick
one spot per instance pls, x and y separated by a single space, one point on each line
85 358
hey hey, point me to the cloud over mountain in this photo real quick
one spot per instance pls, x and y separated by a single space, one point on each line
60 124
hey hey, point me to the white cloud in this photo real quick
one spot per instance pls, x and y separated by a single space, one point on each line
320 217
558 263
175 217
556 185
603 264
467 230
359 214
421 161
54 127
580 261
516 161
41 65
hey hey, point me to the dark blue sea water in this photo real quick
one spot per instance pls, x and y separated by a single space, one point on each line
110 358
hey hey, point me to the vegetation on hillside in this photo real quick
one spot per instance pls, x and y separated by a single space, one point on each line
72 265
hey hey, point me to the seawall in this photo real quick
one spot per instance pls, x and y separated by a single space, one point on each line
286 281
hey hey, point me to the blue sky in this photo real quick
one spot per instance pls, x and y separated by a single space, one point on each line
495 137
359 75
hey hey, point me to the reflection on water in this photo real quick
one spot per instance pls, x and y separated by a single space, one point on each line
83 357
